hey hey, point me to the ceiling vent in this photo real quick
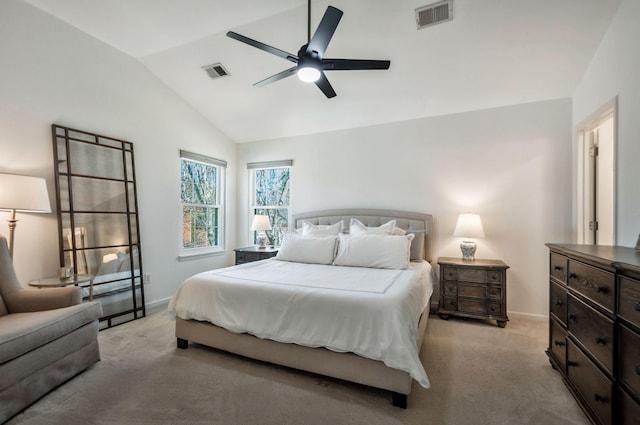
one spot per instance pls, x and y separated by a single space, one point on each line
435 13
215 71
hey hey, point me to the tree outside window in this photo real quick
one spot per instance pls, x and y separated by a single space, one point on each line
201 199
271 198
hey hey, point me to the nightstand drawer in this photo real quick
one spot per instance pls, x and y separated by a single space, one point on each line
472 306
593 330
471 290
495 293
629 307
450 288
596 389
472 275
629 358
629 409
596 284
449 273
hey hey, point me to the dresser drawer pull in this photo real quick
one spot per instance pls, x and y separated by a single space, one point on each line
573 276
638 306
571 316
600 340
638 370
560 344
572 363
558 302
602 289
600 398
557 268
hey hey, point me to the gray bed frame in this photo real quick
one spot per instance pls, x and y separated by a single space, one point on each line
346 366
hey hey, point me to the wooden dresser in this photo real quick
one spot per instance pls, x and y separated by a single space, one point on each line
594 328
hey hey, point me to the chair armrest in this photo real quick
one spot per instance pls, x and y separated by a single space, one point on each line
27 300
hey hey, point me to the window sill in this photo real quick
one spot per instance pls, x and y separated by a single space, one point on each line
199 255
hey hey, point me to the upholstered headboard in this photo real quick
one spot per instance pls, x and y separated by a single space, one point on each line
412 222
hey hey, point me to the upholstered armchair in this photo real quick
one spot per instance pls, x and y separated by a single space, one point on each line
47 336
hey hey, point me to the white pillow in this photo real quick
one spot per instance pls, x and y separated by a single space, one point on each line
307 249
356 227
375 251
321 229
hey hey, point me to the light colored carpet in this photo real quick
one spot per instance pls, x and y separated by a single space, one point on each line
480 374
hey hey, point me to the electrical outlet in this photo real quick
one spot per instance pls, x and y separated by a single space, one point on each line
147 278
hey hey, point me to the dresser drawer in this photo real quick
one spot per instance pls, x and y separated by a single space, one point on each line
592 329
629 409
472 290
495 292
558 267
558 302
449 273
629 358
451 288
472 306
596 284
558 344
629 303
594 387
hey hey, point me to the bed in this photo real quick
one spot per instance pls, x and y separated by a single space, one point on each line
362 322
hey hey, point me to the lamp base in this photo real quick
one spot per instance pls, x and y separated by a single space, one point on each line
468 248
261 239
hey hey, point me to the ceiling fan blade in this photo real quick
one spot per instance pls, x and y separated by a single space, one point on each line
353 64
324 85
279 76
269 49
324 32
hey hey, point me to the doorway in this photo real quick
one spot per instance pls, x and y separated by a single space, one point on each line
596 171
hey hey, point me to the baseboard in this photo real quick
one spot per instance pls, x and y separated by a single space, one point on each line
529 316
158 303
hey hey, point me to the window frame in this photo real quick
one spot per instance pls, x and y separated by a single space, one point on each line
220 205
252 168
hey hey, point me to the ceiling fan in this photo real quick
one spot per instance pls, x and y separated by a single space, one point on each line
310 60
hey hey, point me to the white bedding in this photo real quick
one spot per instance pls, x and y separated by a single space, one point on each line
371 312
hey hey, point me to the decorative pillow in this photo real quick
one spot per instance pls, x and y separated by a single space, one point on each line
110 266
307 249
356 227
376 251
321 229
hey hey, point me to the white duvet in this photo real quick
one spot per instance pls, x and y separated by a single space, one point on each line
371 312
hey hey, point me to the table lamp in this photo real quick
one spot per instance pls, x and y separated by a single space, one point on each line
260 224
24 194
468 226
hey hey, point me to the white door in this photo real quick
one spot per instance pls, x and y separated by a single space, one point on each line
596 181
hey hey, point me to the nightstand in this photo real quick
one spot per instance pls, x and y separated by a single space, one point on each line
253 253
475 289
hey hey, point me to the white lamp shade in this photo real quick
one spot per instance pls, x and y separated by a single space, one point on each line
261 223
24 193
469 226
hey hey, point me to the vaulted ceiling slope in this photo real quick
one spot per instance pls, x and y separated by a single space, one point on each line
493 53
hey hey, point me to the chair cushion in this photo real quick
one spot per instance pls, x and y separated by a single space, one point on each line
23 332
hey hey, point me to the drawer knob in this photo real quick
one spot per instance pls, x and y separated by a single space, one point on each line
602 289
573 276
600 398
571 316
600 340
638 306
557 267
638 370
560 344
558 302
572 363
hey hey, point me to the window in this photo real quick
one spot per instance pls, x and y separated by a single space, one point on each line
270 196
201 203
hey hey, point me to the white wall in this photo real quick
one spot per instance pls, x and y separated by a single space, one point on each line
52 73
614 72
511 165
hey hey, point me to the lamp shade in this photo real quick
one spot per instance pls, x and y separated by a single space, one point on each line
469 226
24 193
261 223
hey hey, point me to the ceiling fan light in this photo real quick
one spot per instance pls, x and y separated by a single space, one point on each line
308 74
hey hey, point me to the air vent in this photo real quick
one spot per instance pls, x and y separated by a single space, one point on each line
215 71
435 13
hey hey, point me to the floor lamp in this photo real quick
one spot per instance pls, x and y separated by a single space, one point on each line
24 194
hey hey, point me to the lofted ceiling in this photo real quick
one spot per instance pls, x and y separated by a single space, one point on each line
493 53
